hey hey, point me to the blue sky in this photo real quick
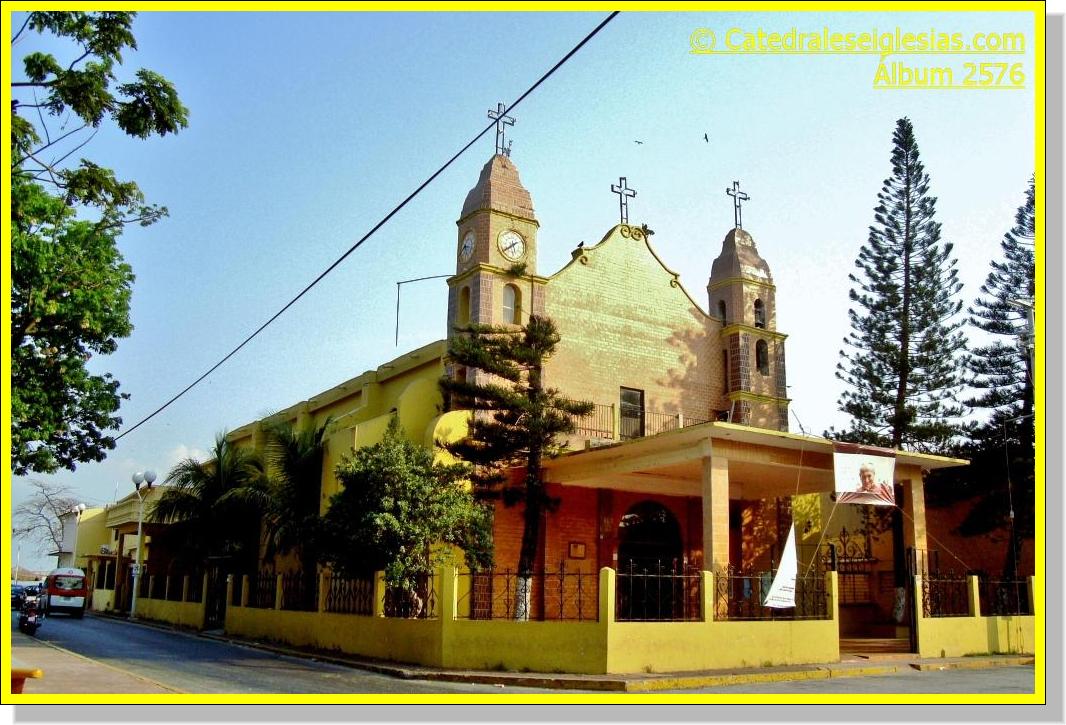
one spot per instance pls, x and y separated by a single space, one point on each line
306 128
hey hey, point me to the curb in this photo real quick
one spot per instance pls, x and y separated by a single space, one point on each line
975 664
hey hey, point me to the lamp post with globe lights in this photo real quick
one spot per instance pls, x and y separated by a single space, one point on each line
147 478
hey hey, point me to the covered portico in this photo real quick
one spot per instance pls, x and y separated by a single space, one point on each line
718 462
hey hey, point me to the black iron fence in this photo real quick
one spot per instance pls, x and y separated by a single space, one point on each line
175 587
658 593
741 596
196 587
349 596
262 590
417 602
144 582
299 592
560 595
946 595
597 424
237 591
1004 597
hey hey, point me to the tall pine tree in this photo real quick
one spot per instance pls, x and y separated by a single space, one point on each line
1001 475
902 358
515 421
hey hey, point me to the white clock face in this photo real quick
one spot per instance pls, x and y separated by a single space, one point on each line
512 245
467 250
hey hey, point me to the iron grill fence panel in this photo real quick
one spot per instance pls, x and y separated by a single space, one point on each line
419 602
740 597
559 595
238 590
175 587
597 424
658 594
1004 597
196 587
144 583
349 596
946 595
298 593
262 590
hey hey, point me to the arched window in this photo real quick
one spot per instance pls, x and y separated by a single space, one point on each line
760 314
464 306
512 305
762 357
721 311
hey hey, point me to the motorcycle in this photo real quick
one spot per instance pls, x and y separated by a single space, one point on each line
30 618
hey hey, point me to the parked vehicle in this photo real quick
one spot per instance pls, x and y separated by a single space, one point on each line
30 617
17 595
65 590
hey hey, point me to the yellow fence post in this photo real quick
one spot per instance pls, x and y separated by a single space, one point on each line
278 591
323 591
448 601
834 597
974 592
244 590
607 585
707 600
1032 599
229 588
379 594
919 612
185 588
202 616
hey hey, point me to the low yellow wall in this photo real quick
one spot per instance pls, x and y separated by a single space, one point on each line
679 646
402 640
103 600
577 647
182 614
960 636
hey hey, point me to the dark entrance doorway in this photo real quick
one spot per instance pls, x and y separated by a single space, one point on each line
653 578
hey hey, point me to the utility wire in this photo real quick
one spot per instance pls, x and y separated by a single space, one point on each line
370 233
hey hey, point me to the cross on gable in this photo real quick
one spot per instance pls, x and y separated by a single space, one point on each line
502 121
624 194
738 196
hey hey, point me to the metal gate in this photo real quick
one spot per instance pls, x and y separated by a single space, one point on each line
855 566
215 599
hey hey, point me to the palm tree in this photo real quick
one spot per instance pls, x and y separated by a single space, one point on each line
296 458
215 507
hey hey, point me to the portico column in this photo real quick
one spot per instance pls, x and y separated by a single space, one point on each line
913 504
715 495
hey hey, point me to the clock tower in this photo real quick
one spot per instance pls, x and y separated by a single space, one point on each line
495 281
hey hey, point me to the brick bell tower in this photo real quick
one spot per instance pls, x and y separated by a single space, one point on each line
741 296
495 280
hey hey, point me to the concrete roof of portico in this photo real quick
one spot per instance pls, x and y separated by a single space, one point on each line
762 463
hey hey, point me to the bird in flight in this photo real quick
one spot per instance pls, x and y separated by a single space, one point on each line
706 139
639 142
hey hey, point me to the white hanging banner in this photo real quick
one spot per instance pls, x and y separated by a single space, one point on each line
782 592
864 474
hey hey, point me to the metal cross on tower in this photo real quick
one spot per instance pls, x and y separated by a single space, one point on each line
738 196
624 194
502 122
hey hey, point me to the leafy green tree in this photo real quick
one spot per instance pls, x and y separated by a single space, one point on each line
394 510
1002 471
902 364
70 287
516 421
215 507
295 458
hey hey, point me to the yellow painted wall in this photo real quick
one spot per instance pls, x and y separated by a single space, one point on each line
402 640
103 600
577 647
678 646
181 614
960 636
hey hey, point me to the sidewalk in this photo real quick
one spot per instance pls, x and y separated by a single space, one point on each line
67 672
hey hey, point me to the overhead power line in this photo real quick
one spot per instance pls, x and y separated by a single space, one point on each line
370 233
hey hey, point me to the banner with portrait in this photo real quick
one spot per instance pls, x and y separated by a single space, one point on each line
864 474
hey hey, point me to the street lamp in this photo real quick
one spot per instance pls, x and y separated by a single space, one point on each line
147 478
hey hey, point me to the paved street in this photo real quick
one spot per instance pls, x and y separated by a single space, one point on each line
113 656
170 661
